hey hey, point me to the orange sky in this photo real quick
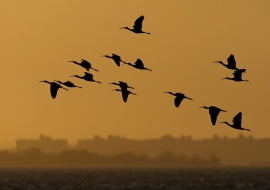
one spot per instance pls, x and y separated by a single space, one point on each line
38 38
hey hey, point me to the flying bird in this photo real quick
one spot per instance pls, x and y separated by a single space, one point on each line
213 111
85 64
231 63
116 58
138 65
178 99
53 88
237 76
125 94
68 84
87 76
137 27
123 85
236 122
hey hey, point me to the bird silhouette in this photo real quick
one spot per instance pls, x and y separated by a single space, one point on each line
116 58
123 85
138 65
137 27
213 111
87 76
178 99
125 94
53 88
85 64
68 84
237 120
237 76
231 63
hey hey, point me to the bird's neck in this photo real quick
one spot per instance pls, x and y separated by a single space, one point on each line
228 124
222 63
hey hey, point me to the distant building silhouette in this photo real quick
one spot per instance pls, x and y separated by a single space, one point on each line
245 149
45 144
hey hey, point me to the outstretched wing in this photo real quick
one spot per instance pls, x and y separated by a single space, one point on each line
138 23
84 61
139 63
125 95
116 59
177 101
237 120
237 74
68 84
231 61
213 114
54 88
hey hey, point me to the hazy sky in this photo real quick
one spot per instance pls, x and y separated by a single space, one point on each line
38 38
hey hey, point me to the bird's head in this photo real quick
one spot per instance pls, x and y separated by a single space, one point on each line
114 83
124 27
228 78
44 81
117 90
224 122
205 107
217 62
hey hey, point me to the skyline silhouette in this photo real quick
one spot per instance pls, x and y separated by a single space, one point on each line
253 150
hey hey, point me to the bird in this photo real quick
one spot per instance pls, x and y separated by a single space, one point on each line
53 88
178 99
213 111
68 84
231 63
123 85
138 65
137 27
116 58
125 94
236 122
85 64
87 76
237 76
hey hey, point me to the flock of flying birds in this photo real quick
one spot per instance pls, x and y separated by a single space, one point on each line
137 28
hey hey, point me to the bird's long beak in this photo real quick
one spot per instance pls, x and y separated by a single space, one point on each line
73 76
122 28
223 110
103 55
201 107
166 92
133 93
222 122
